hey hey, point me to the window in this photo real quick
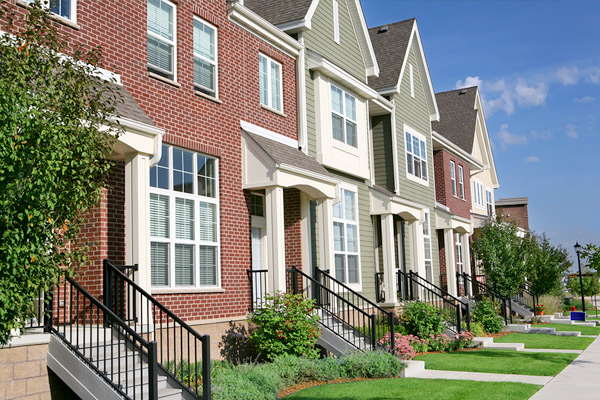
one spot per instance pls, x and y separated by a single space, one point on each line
416 156
205 57
461 182
161 38
488 198
478 193
257 204
412 81
459 253
453 177
427 247
343 116
271 89
184 215
64 8
336 22
345 235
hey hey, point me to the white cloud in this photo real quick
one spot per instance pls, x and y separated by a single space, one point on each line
585 99
571 132
532 159
543 135
507 138
469 82
567 76
594 76
530 95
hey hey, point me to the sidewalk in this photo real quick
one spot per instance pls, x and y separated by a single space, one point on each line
580 380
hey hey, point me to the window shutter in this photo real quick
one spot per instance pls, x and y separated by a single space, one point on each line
184 265
208 265
159 262
159 215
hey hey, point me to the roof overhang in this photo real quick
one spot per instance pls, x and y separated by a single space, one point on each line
380 106
441 142
261 171
384 202
316 62
445 219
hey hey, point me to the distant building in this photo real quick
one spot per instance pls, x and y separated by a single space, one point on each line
514 210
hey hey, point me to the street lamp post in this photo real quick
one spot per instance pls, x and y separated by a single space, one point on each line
578 250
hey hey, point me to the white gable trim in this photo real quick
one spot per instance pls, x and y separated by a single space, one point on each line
317 62
364 40
257 130
486 140
301 25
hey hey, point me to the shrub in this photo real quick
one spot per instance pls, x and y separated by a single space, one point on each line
461 341
373 364
422 319
438 342
402 345
477 329
248 382
486 313
552 303
285 325
420 345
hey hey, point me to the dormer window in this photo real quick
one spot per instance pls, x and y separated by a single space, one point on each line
416 157
343 116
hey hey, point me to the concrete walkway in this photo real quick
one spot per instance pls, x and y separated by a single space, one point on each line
580 380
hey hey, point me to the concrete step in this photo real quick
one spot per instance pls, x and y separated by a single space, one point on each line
516 328
488 343
412 368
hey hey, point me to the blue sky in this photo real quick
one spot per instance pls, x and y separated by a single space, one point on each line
537 64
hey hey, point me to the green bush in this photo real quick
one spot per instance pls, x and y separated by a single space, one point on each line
486 313
285 325
477 329
422 319
372 364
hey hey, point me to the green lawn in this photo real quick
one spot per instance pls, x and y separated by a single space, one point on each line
585 330
541 341
417 389
499 361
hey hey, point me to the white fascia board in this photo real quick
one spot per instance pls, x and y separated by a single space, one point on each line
260 131
260 27
309 174
294 26
481 118
457 151
310 13
327 68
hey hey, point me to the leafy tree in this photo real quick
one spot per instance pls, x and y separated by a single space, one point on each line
591 284
53 150
546 264
591 254
502 255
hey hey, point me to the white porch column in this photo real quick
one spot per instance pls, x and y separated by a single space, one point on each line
450 261
466 254
137 217
275 239
325 229
389 257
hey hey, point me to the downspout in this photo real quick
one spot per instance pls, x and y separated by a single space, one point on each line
301 90
157 150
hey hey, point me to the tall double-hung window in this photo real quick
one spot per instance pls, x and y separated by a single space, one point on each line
162 38
205 57
416 156
478 193
343 116
461 182
271 89
453 177
64 8
488 201
345 235
427 247
184 215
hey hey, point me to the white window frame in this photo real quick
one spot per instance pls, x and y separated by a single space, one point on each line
72 9
412 80
427 258
424 178
172 240
478 193
488 202
269 104
343 220
459 252
461 182
172 42
453 178
336 22
343 116
215 63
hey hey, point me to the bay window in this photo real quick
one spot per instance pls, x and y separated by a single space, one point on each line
343 116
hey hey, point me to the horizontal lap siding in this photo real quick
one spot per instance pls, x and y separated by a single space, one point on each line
382 152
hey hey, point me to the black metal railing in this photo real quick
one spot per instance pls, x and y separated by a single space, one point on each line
181 352
412 287
526 298
258 287
478 290
379 287
39 310
123 358
348 314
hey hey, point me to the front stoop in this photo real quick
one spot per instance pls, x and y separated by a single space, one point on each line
488 343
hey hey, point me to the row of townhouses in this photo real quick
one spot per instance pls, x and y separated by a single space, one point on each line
262 135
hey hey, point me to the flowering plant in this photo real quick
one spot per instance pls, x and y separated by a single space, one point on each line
539 308
402 345
461 340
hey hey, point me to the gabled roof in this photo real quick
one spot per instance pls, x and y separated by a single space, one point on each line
390 47
458 117
129 108
280 12
392 44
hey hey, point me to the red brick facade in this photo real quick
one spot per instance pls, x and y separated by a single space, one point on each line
517 214
196 123
443 183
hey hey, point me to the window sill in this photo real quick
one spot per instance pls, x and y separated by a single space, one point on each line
57 18
186 290
163 79
420 181
207 96
273 110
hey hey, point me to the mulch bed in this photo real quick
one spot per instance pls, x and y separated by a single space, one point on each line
304 385
496 335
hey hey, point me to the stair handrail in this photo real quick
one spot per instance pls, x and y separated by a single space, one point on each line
147 348
371 319
109 270
492 293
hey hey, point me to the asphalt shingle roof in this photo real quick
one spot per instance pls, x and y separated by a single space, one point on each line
390 48
458 117
284 154
279 11
129 108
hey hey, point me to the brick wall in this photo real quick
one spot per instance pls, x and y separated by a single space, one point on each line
443 183
516 214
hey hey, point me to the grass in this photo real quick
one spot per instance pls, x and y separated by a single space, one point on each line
542 341
585 330
499 361
413 388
